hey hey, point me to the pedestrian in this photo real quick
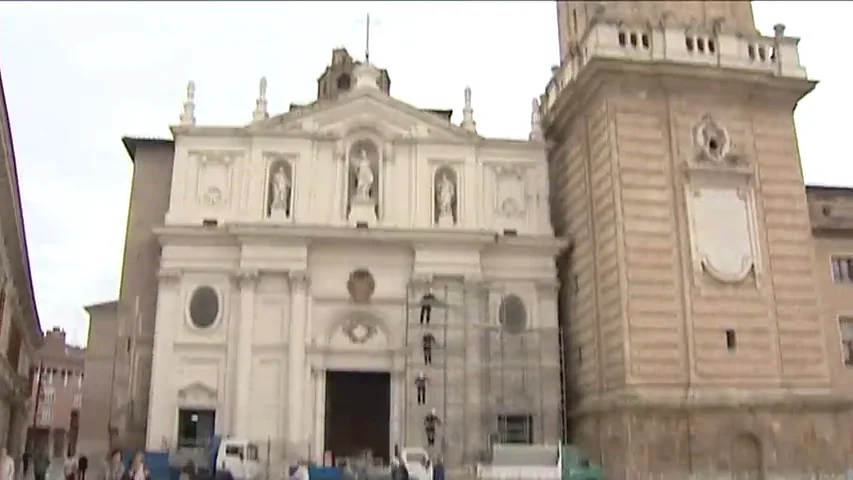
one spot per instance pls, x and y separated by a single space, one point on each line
428 344
25 460
189 471
431 421
138 470
41 464
438 469
82 467
7 465
420 388
114 468
69 468
426 307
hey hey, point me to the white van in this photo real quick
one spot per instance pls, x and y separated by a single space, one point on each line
240 458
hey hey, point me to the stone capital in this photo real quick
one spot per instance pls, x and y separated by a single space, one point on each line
247 276
299 278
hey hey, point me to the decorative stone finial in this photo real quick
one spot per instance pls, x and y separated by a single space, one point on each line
468 122
366 76
779 29
188 115
535 121
261 112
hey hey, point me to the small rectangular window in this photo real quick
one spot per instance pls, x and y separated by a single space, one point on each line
731 339
515 428
845 326
842 269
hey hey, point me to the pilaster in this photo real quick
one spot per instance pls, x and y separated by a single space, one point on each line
299 285
161 395
248 280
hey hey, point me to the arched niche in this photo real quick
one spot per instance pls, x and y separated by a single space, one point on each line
279 191
512 314
363 160
445 187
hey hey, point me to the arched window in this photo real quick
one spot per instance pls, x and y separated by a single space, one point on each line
344 82
512 314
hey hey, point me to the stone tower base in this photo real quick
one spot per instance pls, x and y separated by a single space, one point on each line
790 436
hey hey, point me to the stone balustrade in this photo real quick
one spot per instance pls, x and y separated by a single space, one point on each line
613 40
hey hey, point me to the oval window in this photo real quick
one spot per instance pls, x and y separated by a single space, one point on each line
512 314
204 307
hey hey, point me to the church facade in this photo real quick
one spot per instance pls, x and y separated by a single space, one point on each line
296 251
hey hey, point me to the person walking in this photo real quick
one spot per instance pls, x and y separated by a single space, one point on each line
7 465
41 464
114 468
25 460
138 470
69 468
82 467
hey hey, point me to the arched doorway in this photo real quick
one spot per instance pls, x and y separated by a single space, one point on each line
746 458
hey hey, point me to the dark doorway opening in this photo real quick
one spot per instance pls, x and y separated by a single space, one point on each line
358 409
195 427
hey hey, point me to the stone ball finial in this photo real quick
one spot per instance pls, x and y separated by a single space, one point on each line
779 29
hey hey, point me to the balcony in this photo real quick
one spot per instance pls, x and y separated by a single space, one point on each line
615 40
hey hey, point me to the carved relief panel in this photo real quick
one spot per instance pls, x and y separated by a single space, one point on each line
720 207
215 177
510 191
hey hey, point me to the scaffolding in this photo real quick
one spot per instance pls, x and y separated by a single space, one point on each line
495 371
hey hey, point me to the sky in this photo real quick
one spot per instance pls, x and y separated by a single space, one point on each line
79 76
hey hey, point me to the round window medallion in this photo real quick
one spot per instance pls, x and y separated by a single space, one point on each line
512 314
204 307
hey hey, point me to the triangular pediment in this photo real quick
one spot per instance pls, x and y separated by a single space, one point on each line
197 392
364 108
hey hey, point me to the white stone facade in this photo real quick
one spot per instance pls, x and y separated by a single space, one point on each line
272 216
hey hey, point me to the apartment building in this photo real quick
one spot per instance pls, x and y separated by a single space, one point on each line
57 395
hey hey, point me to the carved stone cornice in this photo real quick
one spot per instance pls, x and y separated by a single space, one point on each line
169 274
547 285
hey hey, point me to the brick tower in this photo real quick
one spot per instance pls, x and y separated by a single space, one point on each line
695 347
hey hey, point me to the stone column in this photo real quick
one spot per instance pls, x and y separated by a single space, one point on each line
243 378
296 360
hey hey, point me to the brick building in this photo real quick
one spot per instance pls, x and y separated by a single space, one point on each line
59 368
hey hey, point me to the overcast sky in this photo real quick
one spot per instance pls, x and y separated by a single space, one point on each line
79 76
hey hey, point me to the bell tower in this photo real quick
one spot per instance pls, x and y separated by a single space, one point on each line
338 77
689 303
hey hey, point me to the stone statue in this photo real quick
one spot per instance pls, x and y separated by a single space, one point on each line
262 89
364 177
281 188
444 196
190 92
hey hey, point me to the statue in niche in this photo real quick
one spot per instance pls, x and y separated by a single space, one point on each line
280 189
445 198
363 177
363 188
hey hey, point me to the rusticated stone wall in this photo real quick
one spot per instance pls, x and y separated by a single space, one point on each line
769 442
